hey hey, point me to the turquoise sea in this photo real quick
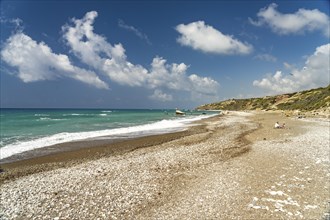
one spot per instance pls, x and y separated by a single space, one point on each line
27 129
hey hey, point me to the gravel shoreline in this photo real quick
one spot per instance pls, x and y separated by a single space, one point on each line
236 167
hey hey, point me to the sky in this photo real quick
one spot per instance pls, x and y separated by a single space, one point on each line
159 54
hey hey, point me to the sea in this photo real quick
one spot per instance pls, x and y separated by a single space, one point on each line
23 130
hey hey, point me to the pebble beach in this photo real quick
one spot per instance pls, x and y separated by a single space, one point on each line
231 166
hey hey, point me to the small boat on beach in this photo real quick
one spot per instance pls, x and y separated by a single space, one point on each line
178 112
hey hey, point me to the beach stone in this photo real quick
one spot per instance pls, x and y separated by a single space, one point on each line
187 178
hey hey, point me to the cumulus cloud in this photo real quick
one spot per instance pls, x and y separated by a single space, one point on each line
315 73
203 37
161 96
138 33
94 50
203 85
174 77
299 22
111 60
36 62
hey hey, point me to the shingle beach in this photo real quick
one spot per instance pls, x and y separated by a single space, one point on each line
232 166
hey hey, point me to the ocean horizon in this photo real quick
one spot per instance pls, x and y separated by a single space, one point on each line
25 129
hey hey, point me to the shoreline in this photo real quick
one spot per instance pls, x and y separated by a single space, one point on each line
53 142
72 153
234 166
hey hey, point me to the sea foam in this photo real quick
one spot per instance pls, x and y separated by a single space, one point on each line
163 126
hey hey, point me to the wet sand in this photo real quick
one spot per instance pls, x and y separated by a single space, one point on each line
235 166
73 153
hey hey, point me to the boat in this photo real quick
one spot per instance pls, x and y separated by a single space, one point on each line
178 112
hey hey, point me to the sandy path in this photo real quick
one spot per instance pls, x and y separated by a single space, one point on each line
288 176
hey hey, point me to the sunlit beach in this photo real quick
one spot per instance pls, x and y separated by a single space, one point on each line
164 110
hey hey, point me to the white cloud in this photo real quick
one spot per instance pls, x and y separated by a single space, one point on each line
172 76
203 37
158 95
203 85
288 66
314 74
138 33
36 62
299 22
266 57
16 23
94 50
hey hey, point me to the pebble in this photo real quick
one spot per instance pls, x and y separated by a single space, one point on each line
132 183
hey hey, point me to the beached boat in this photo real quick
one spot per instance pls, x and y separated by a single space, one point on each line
178 112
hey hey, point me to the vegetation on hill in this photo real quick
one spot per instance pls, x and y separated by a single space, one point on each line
309 100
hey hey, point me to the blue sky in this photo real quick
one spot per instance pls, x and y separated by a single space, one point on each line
159 54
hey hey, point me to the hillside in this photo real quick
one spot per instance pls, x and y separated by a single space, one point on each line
309 100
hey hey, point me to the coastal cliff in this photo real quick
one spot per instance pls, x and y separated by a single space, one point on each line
314 100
